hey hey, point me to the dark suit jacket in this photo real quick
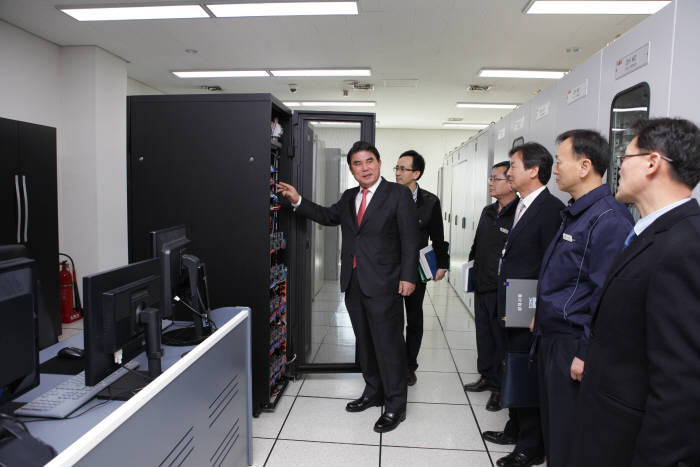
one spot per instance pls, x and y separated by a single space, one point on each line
528 242
386 244
640 397
430 224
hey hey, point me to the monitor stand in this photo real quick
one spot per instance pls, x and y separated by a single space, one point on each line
190 335
126 386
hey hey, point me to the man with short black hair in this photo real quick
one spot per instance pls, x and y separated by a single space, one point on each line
409 169
535 223
379 265
639 402
491 233
594 226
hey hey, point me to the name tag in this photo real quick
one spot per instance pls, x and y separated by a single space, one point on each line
504 230
567 237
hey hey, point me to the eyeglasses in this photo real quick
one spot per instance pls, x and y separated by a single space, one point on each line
494 179
621 158
399 168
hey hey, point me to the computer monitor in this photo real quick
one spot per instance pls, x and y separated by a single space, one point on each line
121 309
19 346
184 276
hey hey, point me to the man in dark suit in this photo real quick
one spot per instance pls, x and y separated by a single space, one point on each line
491 233
639 402
535 223
379 266
409 169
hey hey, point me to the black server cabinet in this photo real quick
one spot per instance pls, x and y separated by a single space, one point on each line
29 206
208 162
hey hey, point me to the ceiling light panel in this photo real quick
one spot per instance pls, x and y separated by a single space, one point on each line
466 126
325 72
236 10
221 74
469 105
547 7
531 74
337 104
136 12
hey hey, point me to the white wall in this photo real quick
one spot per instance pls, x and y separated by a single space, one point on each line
137 88
431 144
81 91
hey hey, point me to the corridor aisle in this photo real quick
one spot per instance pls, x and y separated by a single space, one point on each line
310 427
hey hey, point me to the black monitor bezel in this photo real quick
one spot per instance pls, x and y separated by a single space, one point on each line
169 244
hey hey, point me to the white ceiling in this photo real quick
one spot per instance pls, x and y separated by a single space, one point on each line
441 43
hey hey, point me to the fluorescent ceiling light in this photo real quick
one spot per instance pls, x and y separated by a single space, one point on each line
595 7
326 72
620 130
292 104
221 74
283 9
337 104
631 109
136 12
533 74
467 105
336 124
467 126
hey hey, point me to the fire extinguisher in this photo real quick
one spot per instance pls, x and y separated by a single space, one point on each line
71 309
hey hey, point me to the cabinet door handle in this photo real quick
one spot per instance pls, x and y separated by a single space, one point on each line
26 208
19 209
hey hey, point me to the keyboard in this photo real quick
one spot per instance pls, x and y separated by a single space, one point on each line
65 398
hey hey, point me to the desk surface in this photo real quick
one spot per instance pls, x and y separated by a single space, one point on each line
62 433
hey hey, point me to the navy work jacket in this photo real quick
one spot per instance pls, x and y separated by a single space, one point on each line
592 232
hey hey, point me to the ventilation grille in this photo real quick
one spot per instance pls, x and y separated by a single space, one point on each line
181 451
224 448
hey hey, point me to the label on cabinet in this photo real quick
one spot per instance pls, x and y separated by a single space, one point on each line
519 123
501 133
579 92
631 62
542 111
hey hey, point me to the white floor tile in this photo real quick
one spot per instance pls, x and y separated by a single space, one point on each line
330 353
461 339
433 340
341 385
293 386
310 454
340 335
416 457
431 323
321 305
268 424
436 426
341 319
456 320
436 360
465 359
261 448
317 419
444 388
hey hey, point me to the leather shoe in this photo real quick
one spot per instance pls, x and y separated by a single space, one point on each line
519 459
494 403
482 385
389 420
412 378
499 437
363 403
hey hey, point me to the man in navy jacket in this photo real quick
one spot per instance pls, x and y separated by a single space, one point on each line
593 229
639 403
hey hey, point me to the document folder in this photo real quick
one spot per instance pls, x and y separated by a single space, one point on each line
521 302
467 273
427 263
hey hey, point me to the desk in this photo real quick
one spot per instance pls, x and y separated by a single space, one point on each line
173 405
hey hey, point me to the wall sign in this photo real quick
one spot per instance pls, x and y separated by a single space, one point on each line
542 111
579 92
631 62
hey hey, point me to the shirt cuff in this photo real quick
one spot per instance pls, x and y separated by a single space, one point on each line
297 204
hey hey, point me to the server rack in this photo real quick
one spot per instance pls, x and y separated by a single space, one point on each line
208 162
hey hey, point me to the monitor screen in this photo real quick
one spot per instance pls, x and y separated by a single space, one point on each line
115 302
169 245
19 348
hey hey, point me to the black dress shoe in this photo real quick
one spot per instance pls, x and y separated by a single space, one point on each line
494 403
519 459
482 385
499 437
412 378
389 420
363 403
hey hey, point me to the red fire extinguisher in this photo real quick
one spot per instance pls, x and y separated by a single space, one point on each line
70 299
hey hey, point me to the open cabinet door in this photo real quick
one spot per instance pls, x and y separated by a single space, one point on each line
322 336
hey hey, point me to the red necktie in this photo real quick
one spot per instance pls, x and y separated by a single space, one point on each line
360 213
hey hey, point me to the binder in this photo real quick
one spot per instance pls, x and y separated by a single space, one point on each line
467 273
521 302
427 263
